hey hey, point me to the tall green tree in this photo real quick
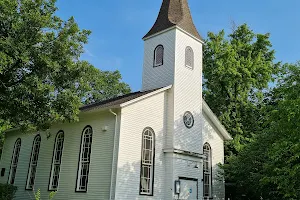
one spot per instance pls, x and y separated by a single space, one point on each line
42 79
237 70
3 127
269 167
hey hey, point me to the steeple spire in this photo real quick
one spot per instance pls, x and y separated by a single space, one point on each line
174 13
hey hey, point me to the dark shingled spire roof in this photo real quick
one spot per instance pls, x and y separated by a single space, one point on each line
174 13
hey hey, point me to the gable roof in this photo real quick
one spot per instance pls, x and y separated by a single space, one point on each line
115 101
124 100
216 122
174 13
128 99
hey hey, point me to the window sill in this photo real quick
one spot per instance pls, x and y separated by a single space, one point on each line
189 67
81 191
157 65
207 198
52 190
145 194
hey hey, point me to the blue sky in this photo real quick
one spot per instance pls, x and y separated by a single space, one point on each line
118 27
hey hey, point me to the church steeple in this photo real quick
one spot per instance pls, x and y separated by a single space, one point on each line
174 13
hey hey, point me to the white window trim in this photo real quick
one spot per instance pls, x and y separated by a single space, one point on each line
54 163
192 57
155 64
36 144
85 161
150 165
209 172
14 161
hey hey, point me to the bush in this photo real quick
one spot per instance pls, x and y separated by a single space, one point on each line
7 192
37 195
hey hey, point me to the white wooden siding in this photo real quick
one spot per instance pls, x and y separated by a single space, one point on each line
187 97
100 166
187 94
161 76
135 118
215 140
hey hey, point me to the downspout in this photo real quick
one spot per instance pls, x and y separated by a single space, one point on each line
113 159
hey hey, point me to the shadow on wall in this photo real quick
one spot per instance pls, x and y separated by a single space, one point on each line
189 138
129 173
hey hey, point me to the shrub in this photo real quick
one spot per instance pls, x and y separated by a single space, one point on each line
7 192
37 195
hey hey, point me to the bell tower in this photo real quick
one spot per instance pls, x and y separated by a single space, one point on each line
173 27
173 56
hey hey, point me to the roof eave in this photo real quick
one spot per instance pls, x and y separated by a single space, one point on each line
145 96
215 121
171 28
146 37
99 108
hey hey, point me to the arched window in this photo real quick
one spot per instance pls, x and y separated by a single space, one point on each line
207 176
56 160
84 159
189 57
14 162
33 162
158 56
147 162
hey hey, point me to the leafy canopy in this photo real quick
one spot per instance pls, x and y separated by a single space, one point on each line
42 79
237 70
269 167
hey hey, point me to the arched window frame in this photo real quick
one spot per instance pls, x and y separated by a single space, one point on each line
158 59
189 57
14 161
207 171
33 162
150 163
56 161
84 162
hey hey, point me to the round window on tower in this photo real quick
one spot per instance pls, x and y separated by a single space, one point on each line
188 119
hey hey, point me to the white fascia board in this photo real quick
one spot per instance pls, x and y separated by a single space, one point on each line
195 38
171 28
11 130
184 153
97 109
215 121
145 96
159 33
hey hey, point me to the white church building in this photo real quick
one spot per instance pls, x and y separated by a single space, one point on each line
163 142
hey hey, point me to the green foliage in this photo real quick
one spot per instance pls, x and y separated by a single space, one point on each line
7 192
51 195
263 159
37 195
237 70
42 79
269 167
3 127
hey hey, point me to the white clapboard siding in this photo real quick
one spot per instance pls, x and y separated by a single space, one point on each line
161 76
215 140
100 166
135 118
187 94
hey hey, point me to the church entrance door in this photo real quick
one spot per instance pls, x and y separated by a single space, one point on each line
188 189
